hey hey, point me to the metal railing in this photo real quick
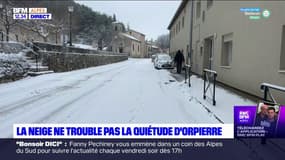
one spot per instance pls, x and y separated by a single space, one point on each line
267 94
209 77
266 88
188 74
31 48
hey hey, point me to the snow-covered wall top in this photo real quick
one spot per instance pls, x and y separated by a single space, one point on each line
67 49
11 47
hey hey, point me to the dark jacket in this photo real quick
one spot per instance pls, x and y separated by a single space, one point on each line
179 57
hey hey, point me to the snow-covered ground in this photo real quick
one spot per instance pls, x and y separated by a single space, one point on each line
127 92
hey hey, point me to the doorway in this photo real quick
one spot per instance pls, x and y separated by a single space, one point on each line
208 53
121 49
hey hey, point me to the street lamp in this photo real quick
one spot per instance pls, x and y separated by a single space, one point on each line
70 10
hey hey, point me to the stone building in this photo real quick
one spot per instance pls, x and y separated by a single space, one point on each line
141 38
130 42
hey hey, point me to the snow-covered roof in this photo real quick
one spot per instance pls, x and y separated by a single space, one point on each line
84 46
116 22
129 36
155 47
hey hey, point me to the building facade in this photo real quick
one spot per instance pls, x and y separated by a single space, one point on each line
128 41
141 38
246 49
179 29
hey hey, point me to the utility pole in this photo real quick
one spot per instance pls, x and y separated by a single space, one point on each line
190 50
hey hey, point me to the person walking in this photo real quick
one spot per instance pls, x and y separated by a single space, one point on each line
179 59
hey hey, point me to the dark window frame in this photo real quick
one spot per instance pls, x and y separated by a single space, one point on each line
198 15
226 57
282 54
210 3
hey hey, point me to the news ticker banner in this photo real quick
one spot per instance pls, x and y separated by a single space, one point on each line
259 121
31 13
125 131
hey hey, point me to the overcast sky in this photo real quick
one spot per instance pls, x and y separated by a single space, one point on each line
149 17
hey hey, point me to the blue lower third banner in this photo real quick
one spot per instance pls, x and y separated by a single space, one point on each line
204 131
265 121
140 149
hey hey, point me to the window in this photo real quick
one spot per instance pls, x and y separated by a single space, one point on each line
209 3
188 55
198 9
282 56
203 16
176 29
138 48
116 28
133 47
183 22
227 49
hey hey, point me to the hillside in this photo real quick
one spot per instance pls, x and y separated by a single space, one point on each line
88 26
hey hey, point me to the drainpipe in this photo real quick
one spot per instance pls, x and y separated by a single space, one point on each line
191 33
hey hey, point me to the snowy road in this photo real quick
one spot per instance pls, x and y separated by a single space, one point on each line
127 92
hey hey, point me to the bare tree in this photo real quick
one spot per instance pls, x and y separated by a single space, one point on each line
57 29
114 18
44 29
41 28
163 41
7 17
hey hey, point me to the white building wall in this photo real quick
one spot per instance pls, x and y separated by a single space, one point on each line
256 44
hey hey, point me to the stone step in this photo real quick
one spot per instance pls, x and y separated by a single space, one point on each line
35 64
40 68
39 73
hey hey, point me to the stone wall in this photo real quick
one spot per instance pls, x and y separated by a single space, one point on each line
65 58
61 62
